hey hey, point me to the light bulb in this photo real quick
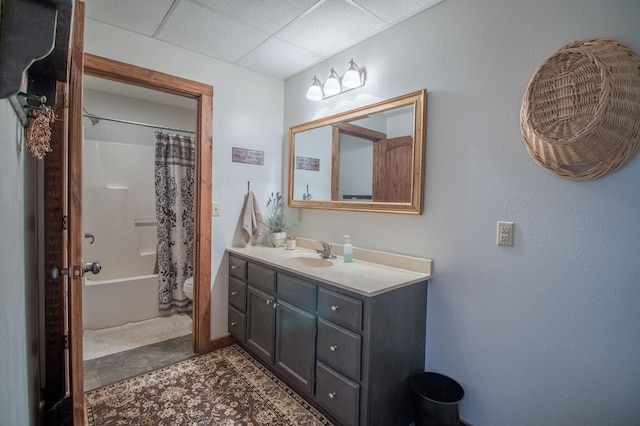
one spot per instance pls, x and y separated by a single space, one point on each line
352 77
314 93
332 85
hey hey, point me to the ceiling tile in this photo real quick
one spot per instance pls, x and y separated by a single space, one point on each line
200 29
279 59
140 16
331 27
392 11
267 15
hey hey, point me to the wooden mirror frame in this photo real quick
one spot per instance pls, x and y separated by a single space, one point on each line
415 204
203 94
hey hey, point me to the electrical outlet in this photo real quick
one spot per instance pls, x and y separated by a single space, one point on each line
505 234
215 209
300 215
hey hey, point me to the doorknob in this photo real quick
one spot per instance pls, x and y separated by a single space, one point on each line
56 272
93 267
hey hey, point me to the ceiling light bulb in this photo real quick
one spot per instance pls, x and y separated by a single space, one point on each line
314 93
352 77
332 85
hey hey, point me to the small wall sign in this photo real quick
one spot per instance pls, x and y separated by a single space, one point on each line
247 156
307 163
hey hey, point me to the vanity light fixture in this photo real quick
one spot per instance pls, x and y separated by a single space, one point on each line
353 78
332 85
315 90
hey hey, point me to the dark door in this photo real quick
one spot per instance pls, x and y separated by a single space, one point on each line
295 345
261 327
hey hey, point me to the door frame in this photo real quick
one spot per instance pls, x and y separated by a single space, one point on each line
110 69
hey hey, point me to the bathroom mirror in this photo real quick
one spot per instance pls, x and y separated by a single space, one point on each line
367 159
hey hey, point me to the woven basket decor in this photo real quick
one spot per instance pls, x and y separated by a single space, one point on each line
580 116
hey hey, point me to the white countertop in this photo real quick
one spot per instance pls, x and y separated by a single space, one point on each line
366 278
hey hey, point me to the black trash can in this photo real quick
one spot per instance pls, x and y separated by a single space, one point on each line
435 399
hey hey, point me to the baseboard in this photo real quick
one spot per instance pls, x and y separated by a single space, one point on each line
220 343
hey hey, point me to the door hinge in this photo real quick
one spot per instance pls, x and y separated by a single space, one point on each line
65 221
66 341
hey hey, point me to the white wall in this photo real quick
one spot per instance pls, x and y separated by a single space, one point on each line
544 332
18 395
247 113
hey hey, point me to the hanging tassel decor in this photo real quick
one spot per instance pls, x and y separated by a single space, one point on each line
38 133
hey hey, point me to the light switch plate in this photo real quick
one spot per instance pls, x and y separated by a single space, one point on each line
215 209
505 234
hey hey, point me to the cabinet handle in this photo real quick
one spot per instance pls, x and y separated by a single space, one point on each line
233 324
335 308
269 301
275 305
234 266
234 293
332 395
333 348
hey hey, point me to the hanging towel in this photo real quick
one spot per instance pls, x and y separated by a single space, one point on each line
252 223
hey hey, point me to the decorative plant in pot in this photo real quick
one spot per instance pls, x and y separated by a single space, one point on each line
276 222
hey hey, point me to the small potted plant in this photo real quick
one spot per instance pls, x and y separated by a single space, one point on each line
276 222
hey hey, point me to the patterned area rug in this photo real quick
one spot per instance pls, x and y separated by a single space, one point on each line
225 387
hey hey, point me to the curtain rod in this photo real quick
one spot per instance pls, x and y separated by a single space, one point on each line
95 119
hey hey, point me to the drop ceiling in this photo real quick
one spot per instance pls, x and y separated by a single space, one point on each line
279 38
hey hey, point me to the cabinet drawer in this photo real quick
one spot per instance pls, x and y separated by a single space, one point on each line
238 267
261 277
339 348
299 292
237 324
341 309
238 294
338 395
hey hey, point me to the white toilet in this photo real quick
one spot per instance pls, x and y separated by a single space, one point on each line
188 287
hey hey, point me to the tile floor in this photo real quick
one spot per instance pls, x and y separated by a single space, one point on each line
108 341
112 368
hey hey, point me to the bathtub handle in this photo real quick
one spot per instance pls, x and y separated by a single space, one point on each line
93 267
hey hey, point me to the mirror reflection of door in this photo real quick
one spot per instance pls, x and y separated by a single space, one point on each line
368 165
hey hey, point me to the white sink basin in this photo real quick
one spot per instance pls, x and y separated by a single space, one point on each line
306 260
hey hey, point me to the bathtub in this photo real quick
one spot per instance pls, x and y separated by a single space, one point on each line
113 302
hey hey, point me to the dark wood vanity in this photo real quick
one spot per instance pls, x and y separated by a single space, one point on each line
349 353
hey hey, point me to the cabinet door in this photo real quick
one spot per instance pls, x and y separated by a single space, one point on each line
261 317
295 345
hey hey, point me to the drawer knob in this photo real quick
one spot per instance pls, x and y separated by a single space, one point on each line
335 308
234 266
233 324
234 293
333 348
332 395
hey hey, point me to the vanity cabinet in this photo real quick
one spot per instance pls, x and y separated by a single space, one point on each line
351 354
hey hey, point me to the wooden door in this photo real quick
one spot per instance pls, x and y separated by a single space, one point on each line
392 171
74 249
63 246
55 214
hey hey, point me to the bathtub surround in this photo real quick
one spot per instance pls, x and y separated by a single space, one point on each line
108 341
175 169
226 386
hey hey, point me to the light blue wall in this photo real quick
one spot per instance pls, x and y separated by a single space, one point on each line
544 332
14 365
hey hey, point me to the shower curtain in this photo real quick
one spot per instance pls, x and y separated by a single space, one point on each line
174 181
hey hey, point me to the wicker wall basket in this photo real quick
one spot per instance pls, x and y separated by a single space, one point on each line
580 115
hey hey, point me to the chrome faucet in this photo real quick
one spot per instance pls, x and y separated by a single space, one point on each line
325 253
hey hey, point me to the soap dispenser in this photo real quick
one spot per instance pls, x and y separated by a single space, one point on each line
347 250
